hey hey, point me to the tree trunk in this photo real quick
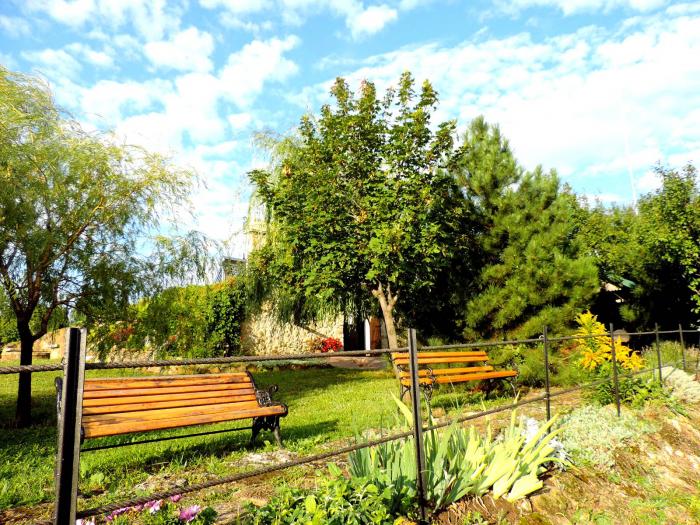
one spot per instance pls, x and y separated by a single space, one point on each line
23 413
387 301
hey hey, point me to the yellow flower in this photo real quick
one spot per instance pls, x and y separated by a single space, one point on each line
592 359
633 362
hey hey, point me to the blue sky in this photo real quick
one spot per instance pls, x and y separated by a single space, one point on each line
598 89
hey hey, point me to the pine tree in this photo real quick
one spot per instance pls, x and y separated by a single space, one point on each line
534 271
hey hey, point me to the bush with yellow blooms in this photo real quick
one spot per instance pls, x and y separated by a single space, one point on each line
595 345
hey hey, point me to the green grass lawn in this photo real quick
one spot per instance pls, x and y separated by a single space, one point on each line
325 405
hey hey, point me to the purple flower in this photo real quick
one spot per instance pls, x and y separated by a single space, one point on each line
190 513
153 506
117 512
176 498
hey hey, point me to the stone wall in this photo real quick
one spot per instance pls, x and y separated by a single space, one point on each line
50 346
263 334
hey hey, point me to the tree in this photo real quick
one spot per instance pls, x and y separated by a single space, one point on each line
8 325
671 223
359 206
534 272
650 288
76 211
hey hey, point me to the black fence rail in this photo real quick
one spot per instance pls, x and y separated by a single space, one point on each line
74 367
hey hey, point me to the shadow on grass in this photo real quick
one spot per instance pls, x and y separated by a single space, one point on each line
152 457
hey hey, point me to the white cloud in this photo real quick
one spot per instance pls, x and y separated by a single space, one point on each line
188 50
360 19
7 61
14 26
239 121
591 103
70 12
260 61
649 182
151 18
237 7
96 58
54 63
570 7
371 20
108 102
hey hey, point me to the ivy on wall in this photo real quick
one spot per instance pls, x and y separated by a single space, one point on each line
188 321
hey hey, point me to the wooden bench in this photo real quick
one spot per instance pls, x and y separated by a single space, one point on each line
471 366
113 406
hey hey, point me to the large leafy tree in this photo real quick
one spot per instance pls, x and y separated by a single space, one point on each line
671 224
533 270
651 288
359 206
75 210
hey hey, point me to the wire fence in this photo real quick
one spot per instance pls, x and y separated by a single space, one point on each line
74 367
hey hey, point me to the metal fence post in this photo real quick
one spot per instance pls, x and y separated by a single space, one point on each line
680 333
616 382
70 413
658 353
417 421
546 374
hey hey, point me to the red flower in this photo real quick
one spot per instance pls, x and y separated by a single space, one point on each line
331 344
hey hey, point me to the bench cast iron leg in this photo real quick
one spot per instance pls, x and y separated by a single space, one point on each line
257 427
271 423
276 432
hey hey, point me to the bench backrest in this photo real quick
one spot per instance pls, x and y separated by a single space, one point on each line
109 395
431 358
116 401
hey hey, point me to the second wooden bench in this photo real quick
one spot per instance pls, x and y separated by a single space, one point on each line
471 366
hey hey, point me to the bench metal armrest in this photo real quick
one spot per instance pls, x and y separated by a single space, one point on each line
264 395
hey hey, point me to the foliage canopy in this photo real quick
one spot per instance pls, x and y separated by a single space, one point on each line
359 205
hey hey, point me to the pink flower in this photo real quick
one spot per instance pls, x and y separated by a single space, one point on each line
117 512
176 498
153 506
190 513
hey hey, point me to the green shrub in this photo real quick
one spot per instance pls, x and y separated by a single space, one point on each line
189 321
459 462
336 501
671 353
636 392
528 360
591 434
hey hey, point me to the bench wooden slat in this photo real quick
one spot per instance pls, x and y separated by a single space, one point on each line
123 400
168 413
463 378
470 353
449 371
230 387
161 382
138 405
439 360
421 381
99 429
476 377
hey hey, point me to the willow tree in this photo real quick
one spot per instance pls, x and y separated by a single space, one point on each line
76 212
359 207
